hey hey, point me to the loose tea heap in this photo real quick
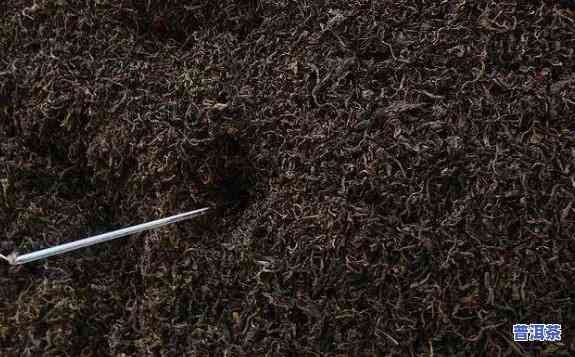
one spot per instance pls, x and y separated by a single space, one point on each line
388 178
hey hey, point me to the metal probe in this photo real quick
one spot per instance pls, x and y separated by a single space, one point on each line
16 259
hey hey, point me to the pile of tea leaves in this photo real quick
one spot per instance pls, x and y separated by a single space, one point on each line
389 178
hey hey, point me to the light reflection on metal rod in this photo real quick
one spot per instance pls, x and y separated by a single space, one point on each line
15 259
